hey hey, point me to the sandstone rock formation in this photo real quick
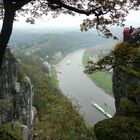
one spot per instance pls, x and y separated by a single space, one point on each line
16 95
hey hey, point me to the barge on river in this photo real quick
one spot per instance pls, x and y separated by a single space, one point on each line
101 110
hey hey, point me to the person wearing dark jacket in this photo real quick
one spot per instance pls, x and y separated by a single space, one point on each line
131 30
135 36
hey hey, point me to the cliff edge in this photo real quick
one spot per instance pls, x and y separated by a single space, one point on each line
125 125
16 96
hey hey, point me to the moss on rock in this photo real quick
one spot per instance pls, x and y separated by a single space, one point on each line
125 125
128 108
7 131
118 128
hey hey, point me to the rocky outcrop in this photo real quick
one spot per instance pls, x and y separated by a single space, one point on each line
16 94
125 125
24 111
126 79
124 84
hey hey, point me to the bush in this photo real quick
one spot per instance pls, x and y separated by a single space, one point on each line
128 108
118 128
6 131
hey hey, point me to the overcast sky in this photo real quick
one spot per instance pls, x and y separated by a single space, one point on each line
70 21
133 19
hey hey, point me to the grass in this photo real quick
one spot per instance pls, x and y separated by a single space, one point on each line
57 60
102 79
7 130
53 76
85 58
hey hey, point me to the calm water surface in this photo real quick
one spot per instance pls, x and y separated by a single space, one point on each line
74 83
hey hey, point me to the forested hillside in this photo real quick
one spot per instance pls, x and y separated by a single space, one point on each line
57 118
47 45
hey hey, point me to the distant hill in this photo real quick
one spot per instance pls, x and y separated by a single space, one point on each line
42 44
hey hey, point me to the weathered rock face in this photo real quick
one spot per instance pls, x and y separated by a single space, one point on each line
8 79
126 88
24 111
15 97
125 82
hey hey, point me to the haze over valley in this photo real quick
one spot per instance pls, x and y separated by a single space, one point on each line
52 47
69 70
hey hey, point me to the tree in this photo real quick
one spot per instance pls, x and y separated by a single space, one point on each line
115 10
66 123
128 54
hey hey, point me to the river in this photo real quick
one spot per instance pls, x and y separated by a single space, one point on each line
74 83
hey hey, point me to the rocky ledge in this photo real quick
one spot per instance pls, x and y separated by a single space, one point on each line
16 97
125 125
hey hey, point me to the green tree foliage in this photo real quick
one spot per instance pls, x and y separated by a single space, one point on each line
7 131
128 108
125 125
49 45
116 10
118 128
65 123
32 66
102 78
127 55
57 118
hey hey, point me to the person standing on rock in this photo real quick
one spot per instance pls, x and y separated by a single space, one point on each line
131 30
126 35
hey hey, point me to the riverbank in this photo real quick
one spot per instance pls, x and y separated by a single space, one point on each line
75 84
57 118
102 79
53 77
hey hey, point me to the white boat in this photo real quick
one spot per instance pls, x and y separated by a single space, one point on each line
59 72
68 62
101 109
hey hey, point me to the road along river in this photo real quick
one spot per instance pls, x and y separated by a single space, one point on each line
74 83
